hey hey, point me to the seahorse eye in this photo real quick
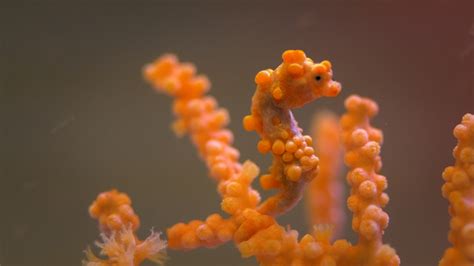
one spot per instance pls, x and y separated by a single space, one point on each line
318 77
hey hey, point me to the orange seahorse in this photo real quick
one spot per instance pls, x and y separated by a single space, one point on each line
296 82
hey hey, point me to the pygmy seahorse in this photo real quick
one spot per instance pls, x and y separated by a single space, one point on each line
296 82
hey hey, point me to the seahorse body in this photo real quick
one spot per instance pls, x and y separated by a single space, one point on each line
296 82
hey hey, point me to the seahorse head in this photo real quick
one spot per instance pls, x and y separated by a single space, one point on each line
298 80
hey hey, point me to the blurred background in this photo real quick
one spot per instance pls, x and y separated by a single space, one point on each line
77 118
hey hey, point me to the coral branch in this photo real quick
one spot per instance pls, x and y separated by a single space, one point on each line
238 196
296 82
274 246
362 143
196 114
251 225
199 116
118 223
324 197
459 190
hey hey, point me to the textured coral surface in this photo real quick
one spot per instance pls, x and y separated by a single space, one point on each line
248 221
325 203
118 223
459 191
363 143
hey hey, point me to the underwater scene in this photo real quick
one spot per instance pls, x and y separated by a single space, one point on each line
274 133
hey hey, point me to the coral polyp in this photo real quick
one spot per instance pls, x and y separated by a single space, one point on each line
250 222
118 223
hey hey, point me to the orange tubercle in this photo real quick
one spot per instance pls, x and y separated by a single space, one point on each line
277 94
249 123
264 146
263 78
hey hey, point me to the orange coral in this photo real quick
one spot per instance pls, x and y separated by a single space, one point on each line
118 223
199 116
324 197
251 224
459 190
367 199
293 155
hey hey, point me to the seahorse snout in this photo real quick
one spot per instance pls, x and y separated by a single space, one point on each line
332 89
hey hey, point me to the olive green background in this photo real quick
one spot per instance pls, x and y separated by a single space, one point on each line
76 118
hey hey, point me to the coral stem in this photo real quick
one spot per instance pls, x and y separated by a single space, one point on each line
362 143
199 116
324 197
459 191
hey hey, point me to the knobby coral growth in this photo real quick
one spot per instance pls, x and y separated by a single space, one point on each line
200 116
459 190
118 223
362 143
324 195
250 223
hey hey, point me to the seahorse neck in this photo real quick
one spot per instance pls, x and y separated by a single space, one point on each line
276 119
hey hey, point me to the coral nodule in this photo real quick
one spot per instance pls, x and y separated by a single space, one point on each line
250 222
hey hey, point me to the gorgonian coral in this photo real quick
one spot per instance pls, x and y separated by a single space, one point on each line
250 222
324 195
459 190
118 223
